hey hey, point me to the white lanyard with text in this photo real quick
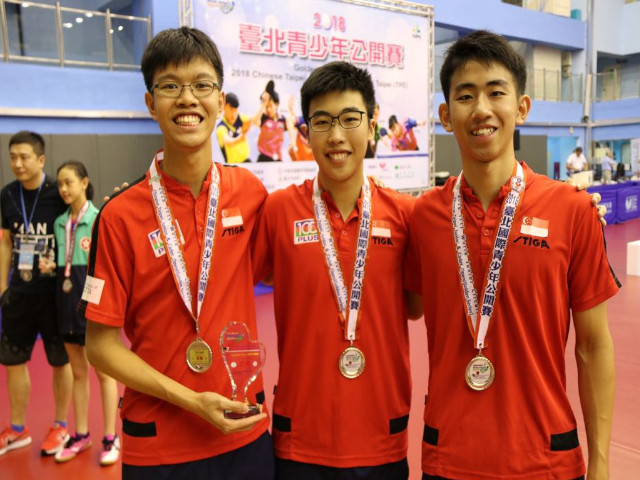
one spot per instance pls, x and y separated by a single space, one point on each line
480 371
199 356
351 362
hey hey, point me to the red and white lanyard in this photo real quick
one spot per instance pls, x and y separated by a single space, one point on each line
70 237
169 235
491 283
348 312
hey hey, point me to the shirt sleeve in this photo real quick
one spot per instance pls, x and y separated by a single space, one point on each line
261 244
4 199
591 278
109 276
221 132
412 263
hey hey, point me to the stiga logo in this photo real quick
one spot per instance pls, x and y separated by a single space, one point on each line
305 231
631 204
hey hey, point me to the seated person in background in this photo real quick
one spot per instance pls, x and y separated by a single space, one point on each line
620 175
576 162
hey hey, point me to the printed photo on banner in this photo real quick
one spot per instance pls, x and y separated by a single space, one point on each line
269 49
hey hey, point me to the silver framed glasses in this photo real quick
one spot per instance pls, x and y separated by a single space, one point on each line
199 88
323 122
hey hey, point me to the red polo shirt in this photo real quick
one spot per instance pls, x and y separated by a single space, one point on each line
140 295
320 416
522 426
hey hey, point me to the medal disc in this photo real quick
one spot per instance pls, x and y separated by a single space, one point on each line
67 285
480 373
351 362
199 356
26 275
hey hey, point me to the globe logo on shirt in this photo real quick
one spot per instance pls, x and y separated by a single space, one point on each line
85 243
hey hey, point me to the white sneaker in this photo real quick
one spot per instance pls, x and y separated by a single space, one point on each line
110 451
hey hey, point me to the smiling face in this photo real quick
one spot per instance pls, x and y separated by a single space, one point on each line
483 111
186 121
340 152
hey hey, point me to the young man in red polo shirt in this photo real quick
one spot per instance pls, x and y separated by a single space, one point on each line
168 267
528 252
336 246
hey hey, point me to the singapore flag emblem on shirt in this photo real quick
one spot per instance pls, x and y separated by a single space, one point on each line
535 227
231 217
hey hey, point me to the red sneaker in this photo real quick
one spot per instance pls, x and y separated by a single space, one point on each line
55 441
10 439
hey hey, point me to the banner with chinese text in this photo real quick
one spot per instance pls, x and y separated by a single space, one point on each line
273 46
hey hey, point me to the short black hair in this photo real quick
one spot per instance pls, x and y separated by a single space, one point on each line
392 121
486 48
178 46
81 171
232 99
32 138
340 76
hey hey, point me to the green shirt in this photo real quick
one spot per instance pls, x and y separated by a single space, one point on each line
83 236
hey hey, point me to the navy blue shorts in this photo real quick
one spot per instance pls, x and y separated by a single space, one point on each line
251 462
290 470
432 477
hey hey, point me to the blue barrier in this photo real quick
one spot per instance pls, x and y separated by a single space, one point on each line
621 199
628 202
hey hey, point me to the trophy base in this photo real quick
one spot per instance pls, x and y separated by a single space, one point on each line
253 410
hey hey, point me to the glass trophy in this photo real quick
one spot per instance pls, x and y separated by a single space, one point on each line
244 359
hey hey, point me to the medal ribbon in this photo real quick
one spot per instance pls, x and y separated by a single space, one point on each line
70 238
27 221
491 282
350 311
169 235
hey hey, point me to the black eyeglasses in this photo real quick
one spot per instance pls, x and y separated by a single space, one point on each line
199 89
322 122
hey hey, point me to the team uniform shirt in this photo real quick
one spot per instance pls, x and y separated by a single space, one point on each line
238 152
130 285
271 137
304 151
522 426
70 320
320 416
406 141
39 234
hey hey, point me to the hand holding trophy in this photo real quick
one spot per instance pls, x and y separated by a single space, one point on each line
244 359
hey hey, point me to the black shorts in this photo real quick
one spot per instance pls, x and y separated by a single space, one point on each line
291 470
75 338
24 316
251 462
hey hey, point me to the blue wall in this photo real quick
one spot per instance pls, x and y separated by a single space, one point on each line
121 93
514 22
